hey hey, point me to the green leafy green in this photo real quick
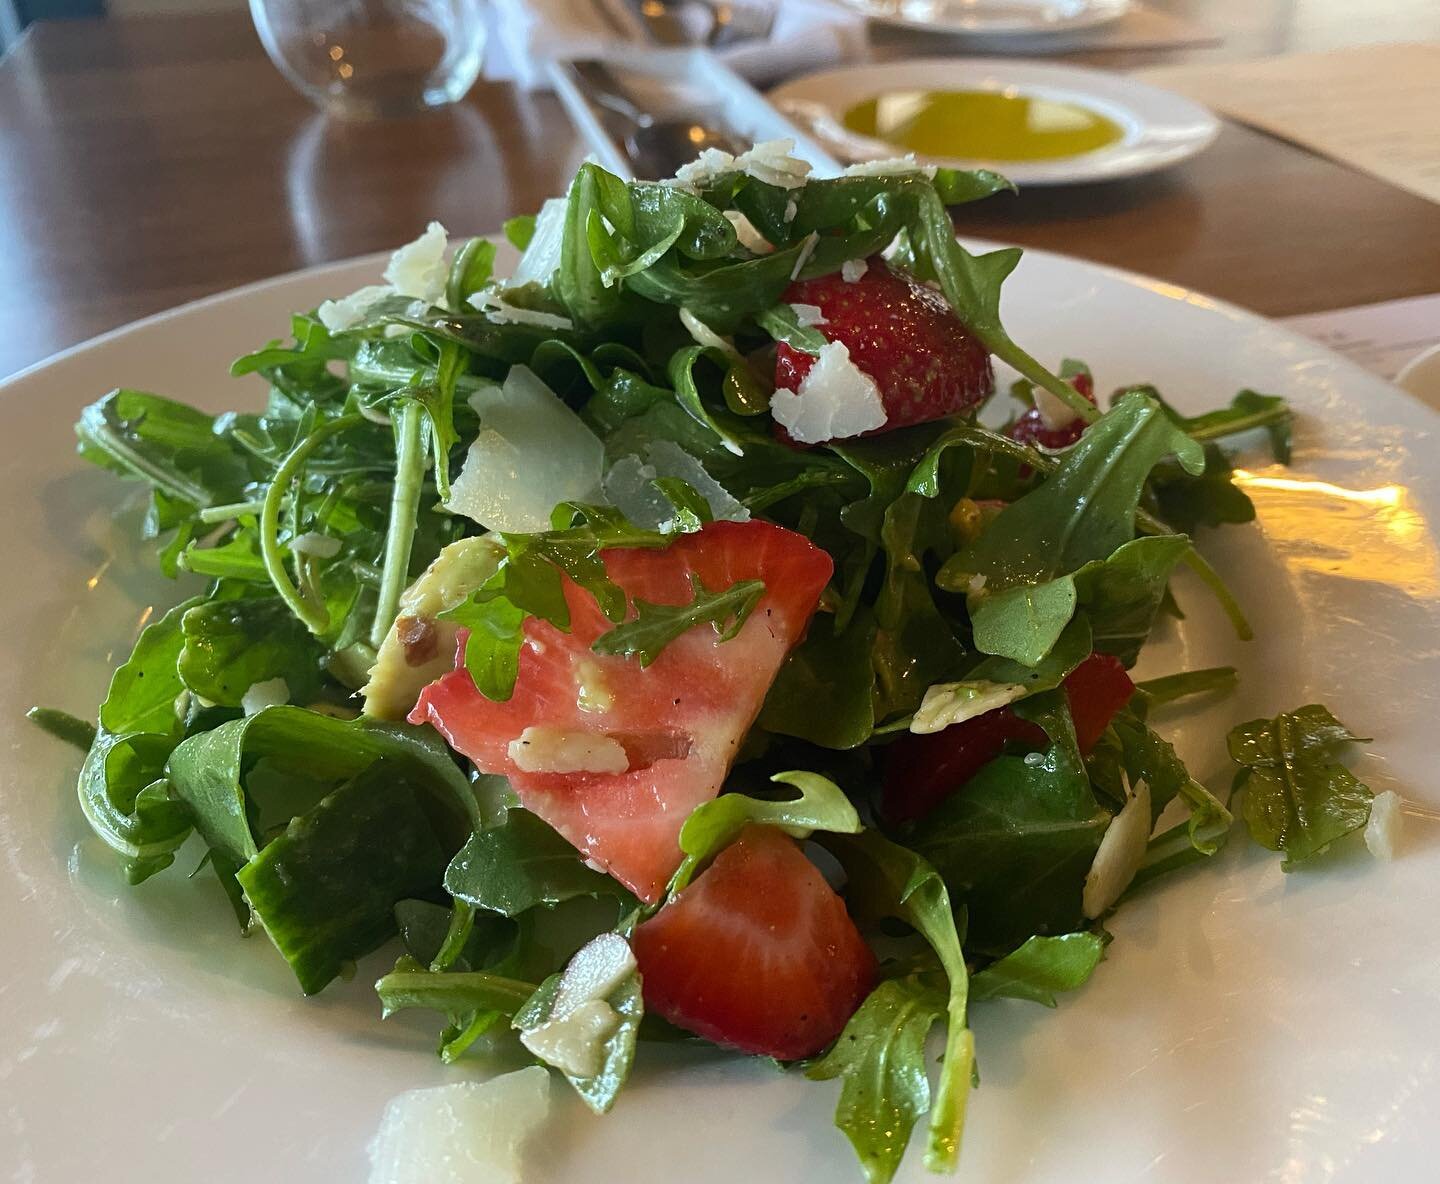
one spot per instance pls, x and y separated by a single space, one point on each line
890 880
713 825
325 891
1040 968
1298 798
520 864
880 1058
232 644
1016 845
655 626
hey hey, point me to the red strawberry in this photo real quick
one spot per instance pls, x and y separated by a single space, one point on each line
904 335
921 771
758 953
680 720
1031 427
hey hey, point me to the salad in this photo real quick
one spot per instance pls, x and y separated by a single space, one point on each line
682 635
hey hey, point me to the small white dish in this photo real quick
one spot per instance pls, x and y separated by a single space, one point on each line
1006 18
1160 128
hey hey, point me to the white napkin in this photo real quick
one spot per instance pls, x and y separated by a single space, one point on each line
526 34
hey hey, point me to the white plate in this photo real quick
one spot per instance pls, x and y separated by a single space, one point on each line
1006 18
1247 1026
1160 128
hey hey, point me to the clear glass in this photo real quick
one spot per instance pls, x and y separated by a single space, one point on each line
370 58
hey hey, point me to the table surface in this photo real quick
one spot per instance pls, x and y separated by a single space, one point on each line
146 162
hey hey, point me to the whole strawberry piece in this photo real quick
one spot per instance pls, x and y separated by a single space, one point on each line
1050 423
903 336
758 953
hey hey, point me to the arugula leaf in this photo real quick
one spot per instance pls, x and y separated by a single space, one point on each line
520 864
1121 595
232 644
325 891
1040 968
214 772
173 447
469 272
1188 502
1159 692
1016 845
713 825
528 583
1298 798
890 880
655 626
829 667
1084 511
122 788
880 1057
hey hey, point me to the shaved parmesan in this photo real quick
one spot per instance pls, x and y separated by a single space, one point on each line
574 1044
852 269
749 237
471 1132
948 703
1054 411
573 1038
807 248
418 269
1121 851
890 166
596 969
791 209
769 161
541 749
836 400
347 312
532 453
1382 832
322 546
808 315
542 256
260 695
498 312
704 335
628 486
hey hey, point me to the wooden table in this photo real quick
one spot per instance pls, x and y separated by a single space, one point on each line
144 163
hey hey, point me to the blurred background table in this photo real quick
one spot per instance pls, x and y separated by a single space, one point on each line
149 161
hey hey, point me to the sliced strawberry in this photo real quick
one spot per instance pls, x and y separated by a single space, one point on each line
921 771
1097 689
758 953
1031 427
680 720
905 336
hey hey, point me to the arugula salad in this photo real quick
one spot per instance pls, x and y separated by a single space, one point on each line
681 635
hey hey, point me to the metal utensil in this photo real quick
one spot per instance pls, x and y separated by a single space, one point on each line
656 144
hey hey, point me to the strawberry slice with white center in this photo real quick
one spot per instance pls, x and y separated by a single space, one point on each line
758 953
614 755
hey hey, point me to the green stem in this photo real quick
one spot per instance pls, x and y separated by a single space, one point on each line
313 615
63 726
1233 427
1211 579
404 505
230 511
456 992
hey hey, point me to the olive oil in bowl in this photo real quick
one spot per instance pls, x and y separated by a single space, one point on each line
983 125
